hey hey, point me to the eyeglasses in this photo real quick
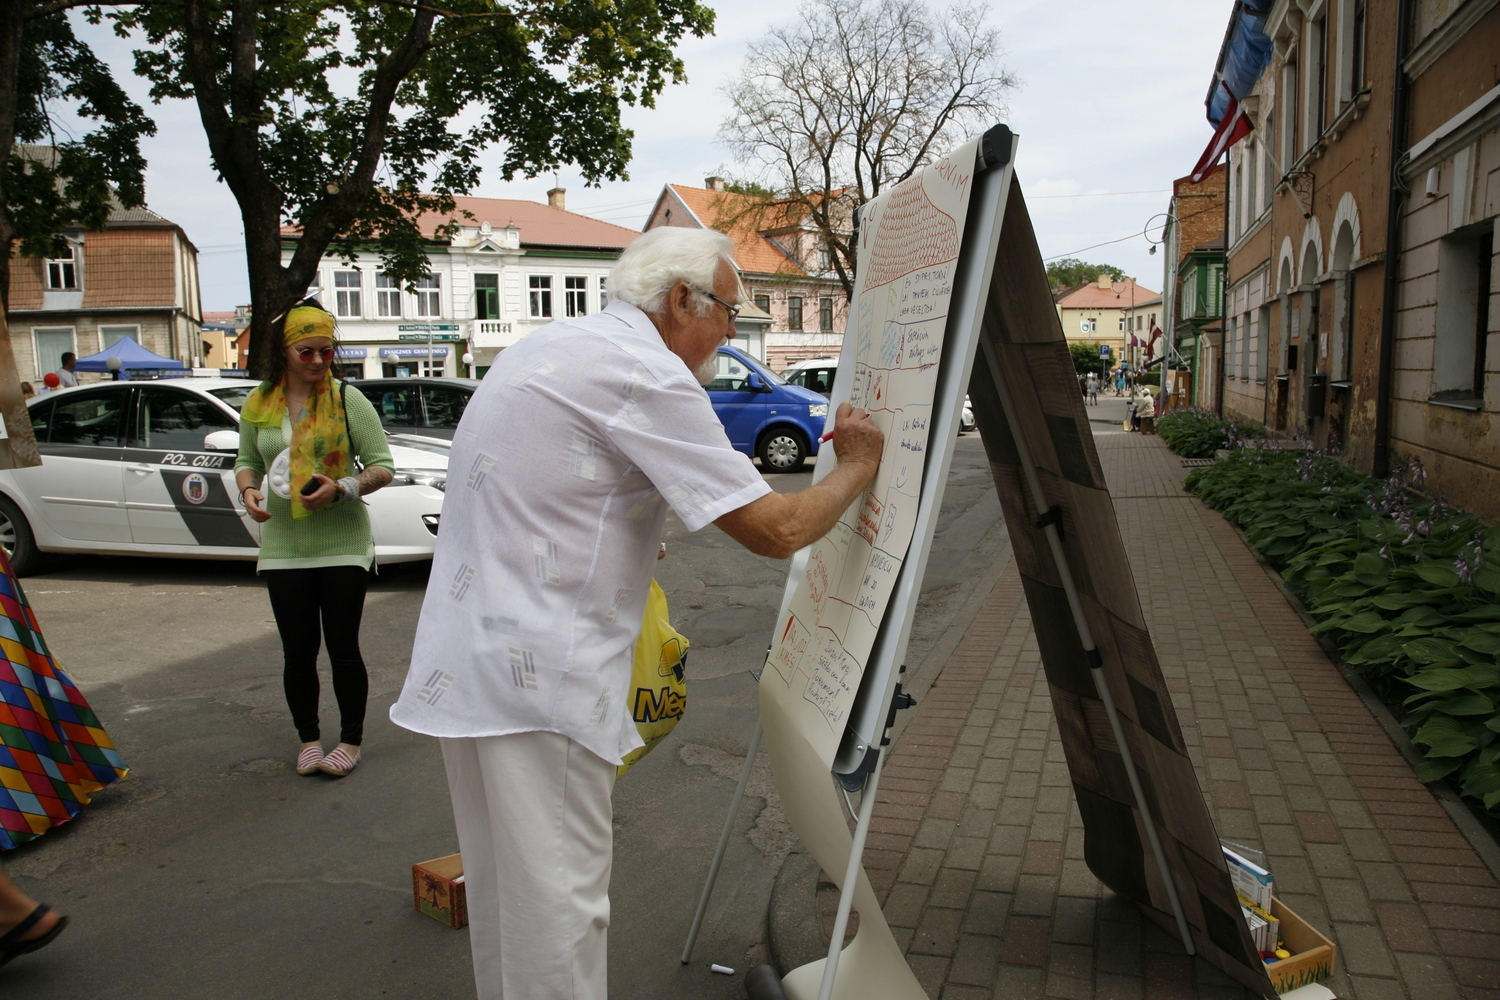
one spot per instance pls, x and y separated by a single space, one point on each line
308 353
733 311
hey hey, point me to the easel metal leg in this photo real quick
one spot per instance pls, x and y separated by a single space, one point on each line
851 874
713 870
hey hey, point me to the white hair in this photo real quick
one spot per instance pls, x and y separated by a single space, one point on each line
659 259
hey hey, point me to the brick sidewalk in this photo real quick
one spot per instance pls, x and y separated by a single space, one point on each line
977 849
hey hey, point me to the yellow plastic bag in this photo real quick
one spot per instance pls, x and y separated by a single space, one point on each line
658 688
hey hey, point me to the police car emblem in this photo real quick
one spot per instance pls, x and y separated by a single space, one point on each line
195 488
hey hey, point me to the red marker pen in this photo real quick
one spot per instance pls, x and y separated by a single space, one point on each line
827 435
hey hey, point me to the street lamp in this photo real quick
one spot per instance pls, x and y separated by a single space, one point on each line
469 362
113 364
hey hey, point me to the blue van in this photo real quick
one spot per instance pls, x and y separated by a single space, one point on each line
765 416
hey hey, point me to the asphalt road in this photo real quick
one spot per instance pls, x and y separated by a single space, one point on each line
215 871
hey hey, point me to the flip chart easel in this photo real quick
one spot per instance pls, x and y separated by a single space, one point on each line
1131 774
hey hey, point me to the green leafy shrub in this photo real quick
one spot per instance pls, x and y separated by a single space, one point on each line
1407 586
1198 433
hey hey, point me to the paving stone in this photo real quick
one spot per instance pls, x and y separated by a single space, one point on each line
1364 950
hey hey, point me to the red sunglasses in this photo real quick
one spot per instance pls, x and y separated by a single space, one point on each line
308 353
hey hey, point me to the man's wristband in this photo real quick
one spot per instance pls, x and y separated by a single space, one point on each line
348 490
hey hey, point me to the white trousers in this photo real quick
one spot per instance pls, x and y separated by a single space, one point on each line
535 827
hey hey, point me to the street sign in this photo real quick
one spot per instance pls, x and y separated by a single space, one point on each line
1104 351
404 327
435 337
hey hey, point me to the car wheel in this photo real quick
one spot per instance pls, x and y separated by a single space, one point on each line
782 450
17 540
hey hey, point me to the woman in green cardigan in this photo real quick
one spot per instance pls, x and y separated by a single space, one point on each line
300 433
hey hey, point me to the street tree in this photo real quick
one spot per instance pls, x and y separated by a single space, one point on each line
1070 272
854 96
347 120
72 181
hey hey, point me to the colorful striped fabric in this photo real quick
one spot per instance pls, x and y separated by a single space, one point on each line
53 752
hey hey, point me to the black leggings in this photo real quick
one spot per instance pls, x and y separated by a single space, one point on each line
298 596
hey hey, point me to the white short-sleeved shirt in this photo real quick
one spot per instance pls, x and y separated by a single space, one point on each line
558 484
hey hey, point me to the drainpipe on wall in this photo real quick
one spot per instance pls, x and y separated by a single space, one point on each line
1222 353
1382 457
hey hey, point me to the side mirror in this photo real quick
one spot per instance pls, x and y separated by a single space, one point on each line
222 441
755 383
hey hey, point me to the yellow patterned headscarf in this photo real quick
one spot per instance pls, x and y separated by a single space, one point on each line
320 440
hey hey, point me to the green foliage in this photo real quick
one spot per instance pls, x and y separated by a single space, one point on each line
73 186
1198 433
1086 357
1071 271
750 188
350 119
1408 587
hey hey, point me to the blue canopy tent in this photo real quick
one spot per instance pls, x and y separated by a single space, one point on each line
131 355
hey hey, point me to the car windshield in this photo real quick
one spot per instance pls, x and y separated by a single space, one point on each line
234 395
767 373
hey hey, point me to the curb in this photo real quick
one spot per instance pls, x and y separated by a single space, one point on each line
1474 830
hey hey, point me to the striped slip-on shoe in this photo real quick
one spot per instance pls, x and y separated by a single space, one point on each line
338 762
309 760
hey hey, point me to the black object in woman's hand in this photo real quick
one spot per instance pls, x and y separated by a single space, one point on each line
311 487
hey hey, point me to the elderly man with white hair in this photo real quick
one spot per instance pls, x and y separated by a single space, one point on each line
562 470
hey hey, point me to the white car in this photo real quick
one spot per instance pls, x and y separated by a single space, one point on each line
147 468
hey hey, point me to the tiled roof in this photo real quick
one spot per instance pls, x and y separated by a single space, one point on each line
118 216
541 225
744 219
1117 296
25 283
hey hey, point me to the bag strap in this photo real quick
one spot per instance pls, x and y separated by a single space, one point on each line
355 465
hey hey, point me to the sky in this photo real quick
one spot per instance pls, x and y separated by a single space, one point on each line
1109 111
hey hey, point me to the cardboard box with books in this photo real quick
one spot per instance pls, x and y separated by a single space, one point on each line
1296 954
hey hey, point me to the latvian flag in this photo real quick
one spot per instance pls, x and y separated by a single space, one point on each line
1233 127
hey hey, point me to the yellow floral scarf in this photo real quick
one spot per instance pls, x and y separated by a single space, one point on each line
320 439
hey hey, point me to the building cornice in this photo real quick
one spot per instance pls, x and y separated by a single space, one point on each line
1442 38
1454 134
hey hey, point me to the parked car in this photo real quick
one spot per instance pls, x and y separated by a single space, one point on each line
818 374
147 468
764 415
815 374
426 407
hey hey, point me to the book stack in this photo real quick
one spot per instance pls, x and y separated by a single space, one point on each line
1254 886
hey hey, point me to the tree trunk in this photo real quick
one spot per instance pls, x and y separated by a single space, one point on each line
18 448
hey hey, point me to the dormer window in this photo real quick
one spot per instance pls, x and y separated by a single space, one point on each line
62 271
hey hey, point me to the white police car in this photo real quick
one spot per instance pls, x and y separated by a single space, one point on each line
147 468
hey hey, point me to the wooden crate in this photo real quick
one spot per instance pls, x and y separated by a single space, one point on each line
437 889
1312 953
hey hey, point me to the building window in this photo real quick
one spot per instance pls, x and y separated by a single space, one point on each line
1357 50
49 345
575 295
541 296
603 294
1290 117
794 312
1465 266
1262 342
825 315
1244 335
1252 203
1268 173
346 302
1088 324
387 296
1317 92
62 271
763 302
429 296
487 296
111 334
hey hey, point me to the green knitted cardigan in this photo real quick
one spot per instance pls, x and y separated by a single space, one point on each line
337 535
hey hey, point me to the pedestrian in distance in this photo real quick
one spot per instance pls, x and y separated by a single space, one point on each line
1146 410
1093 390
317 447
27 390
65 375
570 454
50 381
